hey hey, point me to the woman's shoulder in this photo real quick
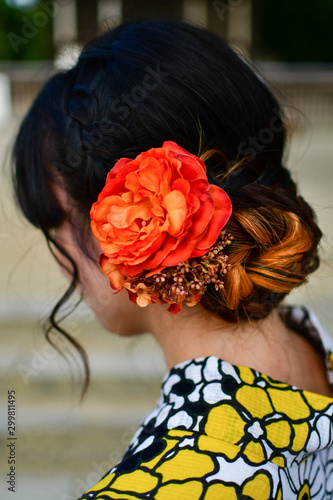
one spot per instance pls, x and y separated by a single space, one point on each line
304 321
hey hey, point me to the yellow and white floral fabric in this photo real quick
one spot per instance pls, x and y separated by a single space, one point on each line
229 432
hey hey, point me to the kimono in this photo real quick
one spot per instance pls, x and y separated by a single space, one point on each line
221 431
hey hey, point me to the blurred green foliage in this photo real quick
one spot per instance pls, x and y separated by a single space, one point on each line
297 30
25 33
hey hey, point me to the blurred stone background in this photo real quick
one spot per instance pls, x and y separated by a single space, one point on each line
64 447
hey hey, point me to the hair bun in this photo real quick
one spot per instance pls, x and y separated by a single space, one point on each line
273 252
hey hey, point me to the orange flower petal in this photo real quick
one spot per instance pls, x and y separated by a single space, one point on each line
181 185
98 231
128 197
123 216
102 209
112 272
174 148
201 218
139 264
109 248
221 215
150 174
175 308
132 182
175 205
143 299
182 252
169 244
192 168
119 165
195 298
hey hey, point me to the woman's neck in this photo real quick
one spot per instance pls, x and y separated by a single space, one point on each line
266 345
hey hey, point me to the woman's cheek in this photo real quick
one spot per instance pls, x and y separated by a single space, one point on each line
114 311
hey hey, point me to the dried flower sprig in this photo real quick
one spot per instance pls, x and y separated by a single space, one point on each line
184 283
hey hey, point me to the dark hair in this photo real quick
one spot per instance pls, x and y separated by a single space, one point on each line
143 83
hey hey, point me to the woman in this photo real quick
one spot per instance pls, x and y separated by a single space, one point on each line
155 165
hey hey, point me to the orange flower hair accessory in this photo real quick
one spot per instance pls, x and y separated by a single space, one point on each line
159 224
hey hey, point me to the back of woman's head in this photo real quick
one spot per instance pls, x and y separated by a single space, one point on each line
144 83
